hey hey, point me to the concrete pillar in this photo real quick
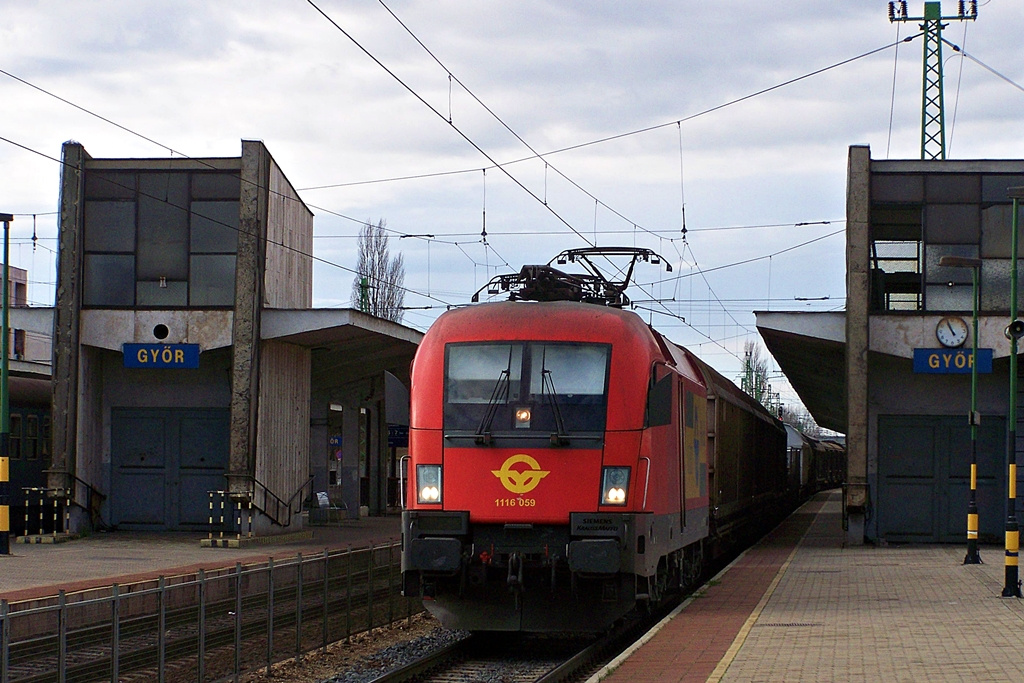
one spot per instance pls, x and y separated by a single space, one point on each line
66 318
858 198
350 460
245 350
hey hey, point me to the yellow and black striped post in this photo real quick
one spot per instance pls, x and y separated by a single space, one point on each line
1014 331
5 407
5 500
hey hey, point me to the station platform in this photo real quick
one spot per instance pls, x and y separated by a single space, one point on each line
800 606
33 571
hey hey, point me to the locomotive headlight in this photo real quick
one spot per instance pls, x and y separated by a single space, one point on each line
523 418
614 484
428 483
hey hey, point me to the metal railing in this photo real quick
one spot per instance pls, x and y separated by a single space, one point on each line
205 626
275 507
46 510
53 505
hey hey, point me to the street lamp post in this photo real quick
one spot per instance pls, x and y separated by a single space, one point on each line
974 419
1011 586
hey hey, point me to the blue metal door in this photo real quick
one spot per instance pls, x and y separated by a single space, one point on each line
924 478
163 462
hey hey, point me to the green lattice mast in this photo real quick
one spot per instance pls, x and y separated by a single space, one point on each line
933 124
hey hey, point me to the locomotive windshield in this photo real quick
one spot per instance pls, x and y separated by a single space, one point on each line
526 388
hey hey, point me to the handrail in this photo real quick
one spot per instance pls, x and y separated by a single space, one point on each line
278 502
646 481
89 491
308 483
401 480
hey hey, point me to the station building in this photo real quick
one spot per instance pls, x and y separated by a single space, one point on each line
893 371
188 357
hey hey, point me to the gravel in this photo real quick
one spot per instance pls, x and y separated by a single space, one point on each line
396 655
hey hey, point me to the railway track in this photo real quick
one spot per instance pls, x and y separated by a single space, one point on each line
511 659
210 638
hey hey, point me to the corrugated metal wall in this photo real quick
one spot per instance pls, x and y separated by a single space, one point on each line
288 279
282 442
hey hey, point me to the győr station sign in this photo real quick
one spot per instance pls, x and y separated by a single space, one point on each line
951 361
177 356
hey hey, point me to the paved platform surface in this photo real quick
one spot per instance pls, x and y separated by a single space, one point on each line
801 607
100 559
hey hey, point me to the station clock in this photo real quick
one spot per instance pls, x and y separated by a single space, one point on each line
951 331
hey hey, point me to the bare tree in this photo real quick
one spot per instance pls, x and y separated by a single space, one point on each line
754 379
378 286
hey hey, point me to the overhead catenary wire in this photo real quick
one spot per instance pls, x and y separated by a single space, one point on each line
454 127
983 65
619 136
750 260
398 232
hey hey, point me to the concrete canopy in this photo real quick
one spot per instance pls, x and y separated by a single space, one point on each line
347 345
810 348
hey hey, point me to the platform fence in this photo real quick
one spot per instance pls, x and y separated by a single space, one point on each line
210 625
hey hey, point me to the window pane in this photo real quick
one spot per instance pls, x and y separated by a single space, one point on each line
952 223
997 229
525 389
474 370
109 280
995 284
572 371
149 293
163 226
948 298
108 185
15 436
30 443
214 227
110 226
937 274
216 185
212 281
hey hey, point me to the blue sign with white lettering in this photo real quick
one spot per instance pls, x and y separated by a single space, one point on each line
183 356
951 361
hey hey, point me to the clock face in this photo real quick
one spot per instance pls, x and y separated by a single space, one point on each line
951 331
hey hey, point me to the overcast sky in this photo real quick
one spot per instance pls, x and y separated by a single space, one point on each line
758 177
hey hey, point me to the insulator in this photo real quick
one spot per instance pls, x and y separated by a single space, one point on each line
960 9
903 8
974 9
892 12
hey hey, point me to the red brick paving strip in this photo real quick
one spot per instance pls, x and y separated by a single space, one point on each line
689 647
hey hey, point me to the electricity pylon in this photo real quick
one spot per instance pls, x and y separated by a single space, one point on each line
933 123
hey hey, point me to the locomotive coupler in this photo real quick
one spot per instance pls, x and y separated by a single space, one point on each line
515 572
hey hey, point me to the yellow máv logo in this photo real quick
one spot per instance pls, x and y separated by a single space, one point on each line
520 481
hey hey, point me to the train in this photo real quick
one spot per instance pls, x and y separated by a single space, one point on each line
569 465
29 452
814 464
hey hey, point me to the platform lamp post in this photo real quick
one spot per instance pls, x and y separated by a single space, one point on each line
974 419
5 405
1014 331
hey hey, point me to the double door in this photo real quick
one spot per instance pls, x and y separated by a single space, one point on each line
924 478
164 461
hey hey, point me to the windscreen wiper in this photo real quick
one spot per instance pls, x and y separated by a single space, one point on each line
560 437
498 395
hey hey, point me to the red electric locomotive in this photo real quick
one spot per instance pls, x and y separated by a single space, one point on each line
559 463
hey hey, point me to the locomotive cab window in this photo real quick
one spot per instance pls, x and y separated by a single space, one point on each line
526 388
